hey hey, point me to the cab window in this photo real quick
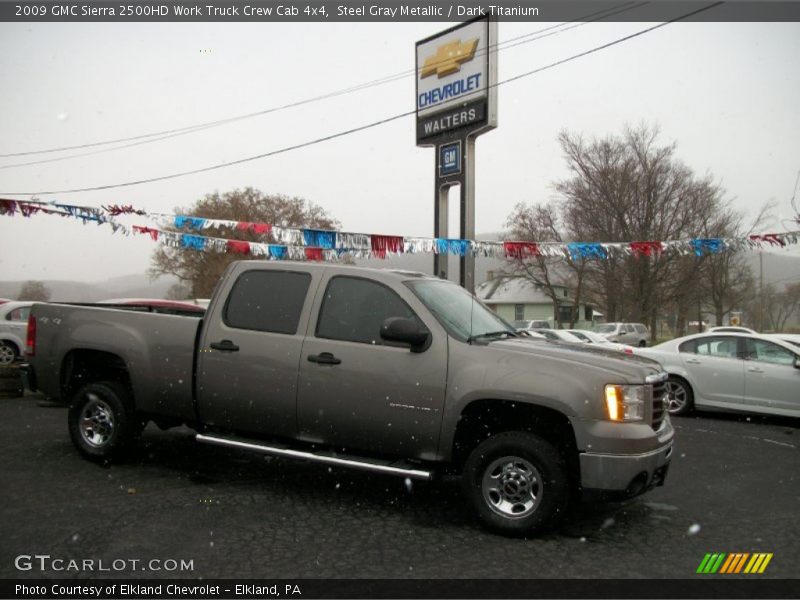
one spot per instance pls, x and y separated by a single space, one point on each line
354 309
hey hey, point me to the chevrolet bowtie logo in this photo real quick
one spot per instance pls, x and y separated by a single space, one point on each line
448 58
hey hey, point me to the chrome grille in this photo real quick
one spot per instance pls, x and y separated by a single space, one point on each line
659 403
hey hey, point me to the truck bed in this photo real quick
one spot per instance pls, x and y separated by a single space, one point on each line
157 349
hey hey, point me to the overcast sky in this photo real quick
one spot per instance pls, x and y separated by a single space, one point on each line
727 93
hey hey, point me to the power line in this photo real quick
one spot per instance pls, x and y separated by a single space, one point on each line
362 127
170 133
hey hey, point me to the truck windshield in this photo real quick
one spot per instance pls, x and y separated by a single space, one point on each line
463 315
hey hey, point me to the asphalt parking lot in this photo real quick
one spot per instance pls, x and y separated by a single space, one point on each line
733 487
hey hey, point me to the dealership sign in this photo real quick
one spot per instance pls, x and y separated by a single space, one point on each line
456 81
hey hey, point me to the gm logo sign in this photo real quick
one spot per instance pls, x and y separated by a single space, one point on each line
450 159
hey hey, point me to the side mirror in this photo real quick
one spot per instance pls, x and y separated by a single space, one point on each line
406 331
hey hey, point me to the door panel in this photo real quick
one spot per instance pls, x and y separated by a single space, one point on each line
376 398
716 369
247 368
771 381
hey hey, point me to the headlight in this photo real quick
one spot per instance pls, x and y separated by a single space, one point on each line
627 402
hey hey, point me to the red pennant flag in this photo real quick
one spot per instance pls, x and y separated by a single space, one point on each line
152 232
238 247
646 248
381 244
313 253
521 249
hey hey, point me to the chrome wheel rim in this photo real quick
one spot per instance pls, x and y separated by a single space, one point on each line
6 354
97 422
676 396
512 487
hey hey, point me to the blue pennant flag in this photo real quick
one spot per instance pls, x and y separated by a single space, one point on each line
195 242
192 222
707 245
277 252
587 250
457 247
319 239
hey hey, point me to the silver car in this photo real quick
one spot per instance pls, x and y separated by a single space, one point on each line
13 327
730 371
633 334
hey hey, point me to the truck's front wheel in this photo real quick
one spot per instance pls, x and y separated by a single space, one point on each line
517 482
102 424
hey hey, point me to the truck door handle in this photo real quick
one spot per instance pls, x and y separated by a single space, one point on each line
755 370
692 361
326 358
225 346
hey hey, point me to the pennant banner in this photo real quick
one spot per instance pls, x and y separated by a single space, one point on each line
288 243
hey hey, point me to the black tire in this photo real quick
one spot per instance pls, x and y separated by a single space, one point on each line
680 397
642 343
536 489
9 353
102 423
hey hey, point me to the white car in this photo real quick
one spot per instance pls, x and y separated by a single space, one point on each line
731 329
634 334
730 371
13 328
590 337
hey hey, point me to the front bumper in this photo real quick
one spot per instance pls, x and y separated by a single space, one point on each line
628 474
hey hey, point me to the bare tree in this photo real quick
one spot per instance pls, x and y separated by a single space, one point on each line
34 291
201 270
779 306
728 281
179 291
541 223
632 188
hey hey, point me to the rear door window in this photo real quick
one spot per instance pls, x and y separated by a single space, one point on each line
268 300
718 346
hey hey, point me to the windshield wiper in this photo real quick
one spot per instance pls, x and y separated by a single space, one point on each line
492 334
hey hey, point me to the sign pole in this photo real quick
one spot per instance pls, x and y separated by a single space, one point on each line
456 101
467 262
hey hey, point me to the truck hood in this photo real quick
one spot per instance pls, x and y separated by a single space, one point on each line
631 367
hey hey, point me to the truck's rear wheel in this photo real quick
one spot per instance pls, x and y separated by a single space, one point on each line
102 423
517 482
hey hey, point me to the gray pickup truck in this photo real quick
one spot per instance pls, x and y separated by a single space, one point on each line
389 371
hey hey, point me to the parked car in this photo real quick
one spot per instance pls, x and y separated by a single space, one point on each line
730 329
590 337
633 334
13 321
525 324
386 371
559 335
730 371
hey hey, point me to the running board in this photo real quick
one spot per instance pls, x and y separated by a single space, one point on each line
361 463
